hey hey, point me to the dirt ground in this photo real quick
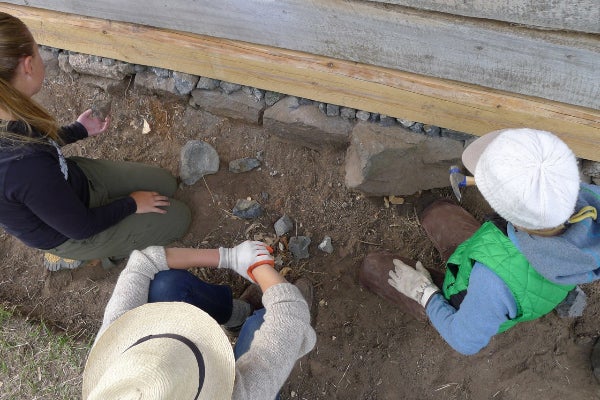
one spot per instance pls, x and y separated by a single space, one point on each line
366 348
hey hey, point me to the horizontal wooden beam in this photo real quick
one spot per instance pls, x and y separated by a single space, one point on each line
453 105
559 66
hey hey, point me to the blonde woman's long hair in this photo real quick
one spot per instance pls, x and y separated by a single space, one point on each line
16 42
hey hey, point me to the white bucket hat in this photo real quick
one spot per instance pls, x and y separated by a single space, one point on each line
161 351
529 177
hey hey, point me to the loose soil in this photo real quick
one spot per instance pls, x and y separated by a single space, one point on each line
366 348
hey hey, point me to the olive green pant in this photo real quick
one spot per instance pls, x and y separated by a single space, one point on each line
111 180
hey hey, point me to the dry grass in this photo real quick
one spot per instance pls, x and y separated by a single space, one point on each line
37 362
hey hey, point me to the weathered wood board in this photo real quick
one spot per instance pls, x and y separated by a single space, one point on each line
570 15
399 94
551 65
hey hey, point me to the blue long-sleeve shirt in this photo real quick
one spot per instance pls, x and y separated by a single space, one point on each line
41 204
488 303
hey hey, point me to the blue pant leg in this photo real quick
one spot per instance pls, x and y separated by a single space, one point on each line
182 285
247 332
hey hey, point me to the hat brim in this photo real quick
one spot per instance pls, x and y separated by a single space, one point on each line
166 318
470 156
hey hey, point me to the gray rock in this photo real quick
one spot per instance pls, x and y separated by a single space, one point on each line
374 117
383 161
198 158
405 122
298 246
243 165
326 245
417 127
363 115
63 63
323 108
161 72
247 209
332 110
185 83
149 80
305 125
305 102
273 97
590 168
207 83
50 59
431 130
573 305
283 225
455 135
258 94
137 68
90 65
384 120
229 87
348 113
237 105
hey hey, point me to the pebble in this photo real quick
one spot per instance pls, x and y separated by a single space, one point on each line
326 245
247 209
363 115
283 225
298 246
243 165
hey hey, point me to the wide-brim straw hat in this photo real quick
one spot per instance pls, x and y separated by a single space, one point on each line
161 351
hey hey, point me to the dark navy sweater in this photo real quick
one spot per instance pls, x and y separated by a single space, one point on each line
38 205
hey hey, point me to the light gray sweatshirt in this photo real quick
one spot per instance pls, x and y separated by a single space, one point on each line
284 337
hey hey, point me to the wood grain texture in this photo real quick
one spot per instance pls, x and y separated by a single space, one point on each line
571 15
559 66
458 106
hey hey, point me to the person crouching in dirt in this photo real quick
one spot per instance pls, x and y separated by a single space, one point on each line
516 268
73 208
175 349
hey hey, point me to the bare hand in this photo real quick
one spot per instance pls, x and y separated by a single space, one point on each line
148 202
94 126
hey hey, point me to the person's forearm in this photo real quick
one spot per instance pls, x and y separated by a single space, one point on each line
266 276
183 258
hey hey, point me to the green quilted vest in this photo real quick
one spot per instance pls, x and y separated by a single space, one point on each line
535 295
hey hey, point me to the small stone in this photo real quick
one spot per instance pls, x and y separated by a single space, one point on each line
332 110
229 87
326 245
283 225
363 115
573 305
323 108
247 209
405 122
207 83
417 127
451 134
298 246
305 102
432 130
374 117
243 165
258 94
347 113
198 158
101 108
273 97
384 120
185 83
161 72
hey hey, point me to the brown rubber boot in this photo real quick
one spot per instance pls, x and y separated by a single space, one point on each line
374 275
447 225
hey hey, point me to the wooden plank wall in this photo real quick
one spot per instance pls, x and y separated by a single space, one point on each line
554 65
569 15
455 105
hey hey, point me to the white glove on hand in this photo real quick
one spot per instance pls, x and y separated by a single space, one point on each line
245 256
415 282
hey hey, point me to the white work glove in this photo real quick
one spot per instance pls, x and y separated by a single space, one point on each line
244 257
415 282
